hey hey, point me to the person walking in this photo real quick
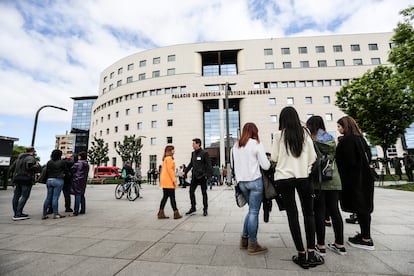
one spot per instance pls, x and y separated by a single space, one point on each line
79 178
22 171
408 166
328 192
397 167
248 156
200 165
168 183
55 170
138 175
353 156
294 153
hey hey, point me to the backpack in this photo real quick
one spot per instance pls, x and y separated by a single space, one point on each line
322 168
124 174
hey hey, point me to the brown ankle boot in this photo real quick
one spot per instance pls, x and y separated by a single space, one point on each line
177 215
254 248
243 242
161 215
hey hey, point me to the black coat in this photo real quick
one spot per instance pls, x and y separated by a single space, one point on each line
352 157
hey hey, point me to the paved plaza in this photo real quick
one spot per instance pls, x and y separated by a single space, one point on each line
121 237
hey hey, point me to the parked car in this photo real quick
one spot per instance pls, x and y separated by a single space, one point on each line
107 172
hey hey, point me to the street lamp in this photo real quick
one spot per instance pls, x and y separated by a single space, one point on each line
37 116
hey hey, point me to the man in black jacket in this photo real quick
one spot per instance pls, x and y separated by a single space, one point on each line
22 171
202 170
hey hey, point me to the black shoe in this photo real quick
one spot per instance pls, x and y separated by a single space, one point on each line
190 211
205 213
69 210
351 220
315 259
300 260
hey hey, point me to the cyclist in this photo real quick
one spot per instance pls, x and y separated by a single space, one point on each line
128 172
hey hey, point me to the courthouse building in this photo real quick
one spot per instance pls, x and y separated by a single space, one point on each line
173 94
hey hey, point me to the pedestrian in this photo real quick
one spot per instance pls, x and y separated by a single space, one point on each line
138 175
294 154
66 190
408 166
397 167
168 183
55 170
248 156
353 156
200 165
22 171
154 176
327 193
149 175
79 172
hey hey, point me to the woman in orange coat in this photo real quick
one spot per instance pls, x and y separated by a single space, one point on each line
168 182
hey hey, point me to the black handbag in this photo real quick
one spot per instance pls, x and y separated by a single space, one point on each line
240 199
43 176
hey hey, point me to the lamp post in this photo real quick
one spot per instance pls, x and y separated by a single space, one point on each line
37 116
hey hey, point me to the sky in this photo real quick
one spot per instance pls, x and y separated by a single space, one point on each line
52 50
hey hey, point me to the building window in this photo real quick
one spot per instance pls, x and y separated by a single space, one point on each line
111 75
139 125
100 133
355 48
129 79
104 91
154 107
327 83
319 83
111 86
268 52
328 117
284 84
322 63
269 65
357 61
153 140
130 67
290 100
337 82
116 129
107 131
170 106
304 64
272 101
301 83
287 64
143 63
141 76
309 83
303 50
183 89
155 74
337 48
273 119
373 47
320 49
340 62
105 78
326 99
285 51
127 112
117 114
156 60
118 83
375 61
170 122
153 92
153 124
273 84
126 127
171 58
120 70
108 117
169 140
140 109
171 72
308 100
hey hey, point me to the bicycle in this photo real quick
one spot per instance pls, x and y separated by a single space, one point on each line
130 188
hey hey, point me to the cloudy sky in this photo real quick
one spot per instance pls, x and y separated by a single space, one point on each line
52 50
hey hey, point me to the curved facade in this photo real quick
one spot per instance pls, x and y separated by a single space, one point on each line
171 95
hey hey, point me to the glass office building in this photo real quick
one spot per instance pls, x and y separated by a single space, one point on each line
81 120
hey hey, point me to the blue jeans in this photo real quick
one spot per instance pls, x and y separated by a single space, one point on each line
79 201
253 192
20 197
54 187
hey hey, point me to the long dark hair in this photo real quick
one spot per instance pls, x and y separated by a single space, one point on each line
292 130
56 155
250 130
168 151
350 126
315 123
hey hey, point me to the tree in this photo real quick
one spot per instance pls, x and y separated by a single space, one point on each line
17 150
98 153
401 55
130 149
380 103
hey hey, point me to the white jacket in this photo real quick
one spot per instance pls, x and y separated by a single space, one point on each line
247 160
289 166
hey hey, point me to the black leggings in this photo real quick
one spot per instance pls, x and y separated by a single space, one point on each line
168 193
287 188
326 201
364 220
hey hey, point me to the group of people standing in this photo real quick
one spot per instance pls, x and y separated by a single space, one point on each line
58 174
293 150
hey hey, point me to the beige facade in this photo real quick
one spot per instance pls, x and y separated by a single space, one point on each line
162 94
65 143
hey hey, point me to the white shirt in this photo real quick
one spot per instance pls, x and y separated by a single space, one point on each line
247 160
289 166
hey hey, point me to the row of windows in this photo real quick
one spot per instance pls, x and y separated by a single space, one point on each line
300 83
321 49
142 63
322 63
